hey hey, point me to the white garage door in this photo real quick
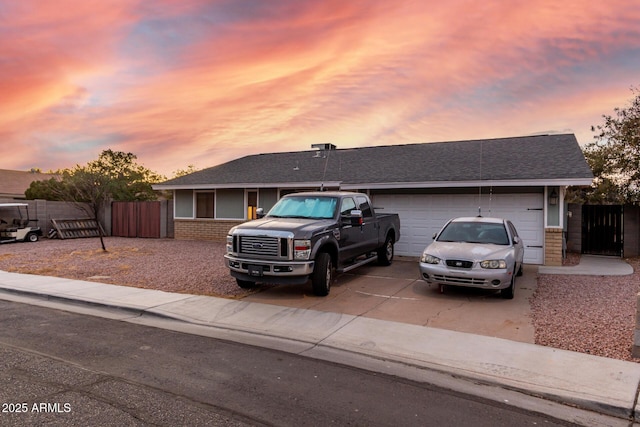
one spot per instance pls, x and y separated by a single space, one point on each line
422 215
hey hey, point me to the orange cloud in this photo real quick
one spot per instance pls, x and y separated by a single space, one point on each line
201 82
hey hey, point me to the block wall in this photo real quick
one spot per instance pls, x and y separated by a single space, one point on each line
44 211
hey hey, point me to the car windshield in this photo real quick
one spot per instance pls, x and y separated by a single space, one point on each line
474 232
312 207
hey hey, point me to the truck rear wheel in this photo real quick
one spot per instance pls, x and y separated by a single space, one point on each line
322 275
385 253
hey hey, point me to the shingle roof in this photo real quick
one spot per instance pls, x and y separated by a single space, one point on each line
13 183
543 158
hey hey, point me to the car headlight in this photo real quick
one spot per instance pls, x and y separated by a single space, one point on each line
494 264
229 243
429 259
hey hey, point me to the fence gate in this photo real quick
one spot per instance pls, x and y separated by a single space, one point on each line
136 219
602 230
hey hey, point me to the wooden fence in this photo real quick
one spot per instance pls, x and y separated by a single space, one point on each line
138 219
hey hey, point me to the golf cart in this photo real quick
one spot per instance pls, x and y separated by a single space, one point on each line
17 229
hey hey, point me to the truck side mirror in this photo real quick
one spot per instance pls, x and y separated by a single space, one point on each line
356 217
260 213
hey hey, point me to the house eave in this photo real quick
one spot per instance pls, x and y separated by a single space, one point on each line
386 185
309 184
464 184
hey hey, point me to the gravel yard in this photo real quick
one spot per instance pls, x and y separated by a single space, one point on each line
192 267
588 314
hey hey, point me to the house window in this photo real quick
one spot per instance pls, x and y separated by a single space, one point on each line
268 198
230 203
183 203
205 204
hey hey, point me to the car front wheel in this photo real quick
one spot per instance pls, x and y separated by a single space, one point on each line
508 293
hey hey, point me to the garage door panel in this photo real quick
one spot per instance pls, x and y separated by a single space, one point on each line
422 215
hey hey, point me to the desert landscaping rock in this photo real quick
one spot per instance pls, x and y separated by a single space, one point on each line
192 267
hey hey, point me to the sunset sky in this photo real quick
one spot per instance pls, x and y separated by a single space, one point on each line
197 82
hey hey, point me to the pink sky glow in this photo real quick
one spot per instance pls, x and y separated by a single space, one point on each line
196 82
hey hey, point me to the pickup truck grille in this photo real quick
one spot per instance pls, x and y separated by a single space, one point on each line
263 246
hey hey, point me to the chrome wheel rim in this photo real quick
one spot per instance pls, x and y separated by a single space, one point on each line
328 277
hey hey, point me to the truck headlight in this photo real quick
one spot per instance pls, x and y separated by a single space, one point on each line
494 264
301 249
429 259
229 243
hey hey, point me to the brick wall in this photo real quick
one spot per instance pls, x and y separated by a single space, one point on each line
193 229
553 246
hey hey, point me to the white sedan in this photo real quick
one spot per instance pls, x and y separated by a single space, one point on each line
475 252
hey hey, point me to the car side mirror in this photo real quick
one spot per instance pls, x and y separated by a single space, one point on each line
516 240
260 213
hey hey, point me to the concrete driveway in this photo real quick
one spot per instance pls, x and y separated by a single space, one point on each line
396 293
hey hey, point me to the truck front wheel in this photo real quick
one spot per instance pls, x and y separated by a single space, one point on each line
322 275
385 253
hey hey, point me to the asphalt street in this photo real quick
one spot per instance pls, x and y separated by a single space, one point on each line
62 368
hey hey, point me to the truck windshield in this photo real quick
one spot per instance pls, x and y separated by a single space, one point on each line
312 207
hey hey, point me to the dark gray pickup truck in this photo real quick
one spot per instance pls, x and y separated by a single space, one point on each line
311 236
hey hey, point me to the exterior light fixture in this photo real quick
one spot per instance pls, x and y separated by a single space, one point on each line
553 198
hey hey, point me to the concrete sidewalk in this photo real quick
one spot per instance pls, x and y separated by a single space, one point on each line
592 265
605 386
